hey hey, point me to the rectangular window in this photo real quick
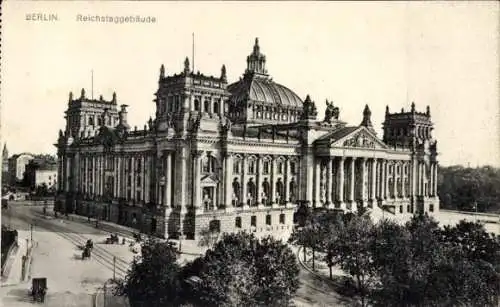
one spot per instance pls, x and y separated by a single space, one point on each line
431 208
138 181
292 167
401 209
253 221
408 208
268 219
138 195
237 222
282 218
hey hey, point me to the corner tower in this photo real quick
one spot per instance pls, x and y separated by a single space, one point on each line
183 99
85 116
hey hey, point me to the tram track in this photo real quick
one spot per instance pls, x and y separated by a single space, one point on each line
102 256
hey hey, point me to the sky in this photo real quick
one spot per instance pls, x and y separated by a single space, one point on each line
441 54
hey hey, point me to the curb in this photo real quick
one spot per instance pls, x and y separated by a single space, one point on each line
320 276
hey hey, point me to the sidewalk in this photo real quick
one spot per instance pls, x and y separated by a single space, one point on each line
13 270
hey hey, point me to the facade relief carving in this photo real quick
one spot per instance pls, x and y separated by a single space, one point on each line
360 140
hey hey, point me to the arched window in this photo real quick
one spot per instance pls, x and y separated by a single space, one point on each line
266 187
236 191
206 106
91 120
291 187
252 166
280 167
280 190
237 165
267 168
216 106
252 192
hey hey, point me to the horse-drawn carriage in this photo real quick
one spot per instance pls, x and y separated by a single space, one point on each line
113 239
39 289
87 249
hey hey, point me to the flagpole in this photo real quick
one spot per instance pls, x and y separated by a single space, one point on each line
192 56
92 82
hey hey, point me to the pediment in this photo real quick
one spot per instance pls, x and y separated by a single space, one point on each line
209 180
359 138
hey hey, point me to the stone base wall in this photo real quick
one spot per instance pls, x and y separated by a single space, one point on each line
278 228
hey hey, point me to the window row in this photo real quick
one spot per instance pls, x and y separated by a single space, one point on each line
253 220
266 167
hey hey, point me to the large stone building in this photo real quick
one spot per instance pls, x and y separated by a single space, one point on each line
41 172
238 156
5 165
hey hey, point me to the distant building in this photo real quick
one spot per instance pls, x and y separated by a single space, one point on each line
17 167
238 157
41 172
5 165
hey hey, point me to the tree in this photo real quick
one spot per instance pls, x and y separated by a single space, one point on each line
153 279
316 233
243 271
208 237
352 248
422 265
473 240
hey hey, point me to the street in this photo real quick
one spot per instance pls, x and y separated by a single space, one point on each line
56 256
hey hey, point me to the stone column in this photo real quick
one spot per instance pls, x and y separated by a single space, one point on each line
373 195
132 177
101 175
340 182
181 178
352 179
394 182
434 182
422 178
196 178
260 166
363 180
287 179
317 182
386 181
167 198
244 181
403 180
228 188
143 175
273 180
329 177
